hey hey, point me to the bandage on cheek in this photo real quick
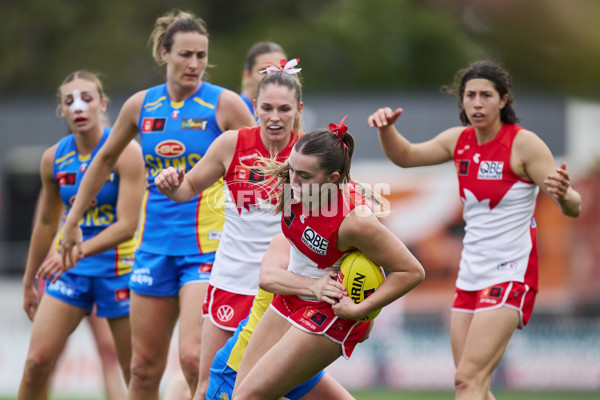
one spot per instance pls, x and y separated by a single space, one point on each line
78 104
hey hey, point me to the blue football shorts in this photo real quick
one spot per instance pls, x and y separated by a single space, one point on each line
111 295
163 276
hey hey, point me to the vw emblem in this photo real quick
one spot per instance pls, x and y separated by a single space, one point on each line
225 313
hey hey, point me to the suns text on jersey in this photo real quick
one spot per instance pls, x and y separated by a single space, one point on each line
99 216
157 164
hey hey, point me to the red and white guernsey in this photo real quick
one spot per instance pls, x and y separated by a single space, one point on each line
500 233
313 234
249 220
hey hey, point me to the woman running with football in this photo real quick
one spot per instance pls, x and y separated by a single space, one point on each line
223 372
500 168
311 321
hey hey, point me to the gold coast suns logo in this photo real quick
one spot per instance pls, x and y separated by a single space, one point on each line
170 148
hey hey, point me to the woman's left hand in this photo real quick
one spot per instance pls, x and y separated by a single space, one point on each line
329 289
559 182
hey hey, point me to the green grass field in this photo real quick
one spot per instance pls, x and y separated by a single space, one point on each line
406 395
500 395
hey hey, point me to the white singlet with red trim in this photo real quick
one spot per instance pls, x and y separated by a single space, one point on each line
500 235
249 220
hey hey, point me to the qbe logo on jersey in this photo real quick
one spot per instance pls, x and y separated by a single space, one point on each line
490 170
314 241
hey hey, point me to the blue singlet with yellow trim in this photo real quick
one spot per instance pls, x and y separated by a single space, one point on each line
68 170
178 135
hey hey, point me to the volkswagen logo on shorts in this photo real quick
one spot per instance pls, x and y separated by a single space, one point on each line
225 313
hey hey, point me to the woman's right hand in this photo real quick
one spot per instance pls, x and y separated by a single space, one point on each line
53 267
169 180
384 117
31 299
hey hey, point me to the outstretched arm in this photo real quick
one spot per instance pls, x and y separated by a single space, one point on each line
404 153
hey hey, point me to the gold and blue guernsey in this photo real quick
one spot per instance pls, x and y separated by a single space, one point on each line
69 167
102 278
178 135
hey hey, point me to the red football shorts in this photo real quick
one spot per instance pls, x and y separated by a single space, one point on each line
515 295
318 317
226 309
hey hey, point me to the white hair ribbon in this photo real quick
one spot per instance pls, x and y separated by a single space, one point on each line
287 67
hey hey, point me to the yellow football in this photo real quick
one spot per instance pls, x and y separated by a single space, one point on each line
361 277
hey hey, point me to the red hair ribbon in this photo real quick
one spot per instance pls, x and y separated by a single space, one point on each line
284 66
339 129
